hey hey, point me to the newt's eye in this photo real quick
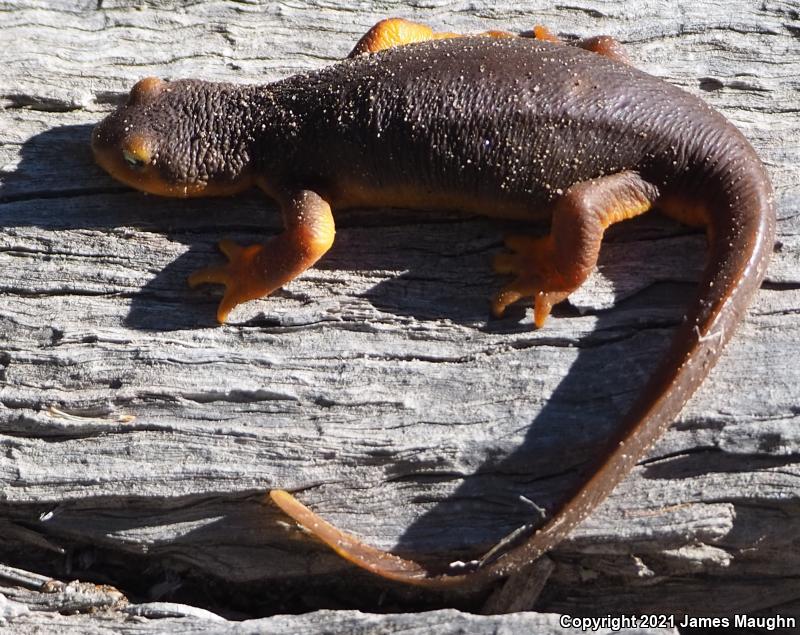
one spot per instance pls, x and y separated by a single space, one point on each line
135 162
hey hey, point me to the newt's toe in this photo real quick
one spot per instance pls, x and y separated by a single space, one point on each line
242 279
531 261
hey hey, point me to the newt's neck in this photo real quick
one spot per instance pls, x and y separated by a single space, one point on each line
274 117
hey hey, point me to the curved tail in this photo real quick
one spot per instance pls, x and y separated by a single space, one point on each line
741 223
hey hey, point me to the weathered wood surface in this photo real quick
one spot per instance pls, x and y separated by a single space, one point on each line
115 617
376 384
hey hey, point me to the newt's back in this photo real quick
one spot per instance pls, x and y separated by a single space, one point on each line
511 119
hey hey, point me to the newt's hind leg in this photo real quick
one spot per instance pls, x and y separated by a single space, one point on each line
548 269
257 270
604 45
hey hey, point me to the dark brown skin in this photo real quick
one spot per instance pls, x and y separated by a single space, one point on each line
508 127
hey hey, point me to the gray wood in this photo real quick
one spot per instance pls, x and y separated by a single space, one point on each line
137 438
153 618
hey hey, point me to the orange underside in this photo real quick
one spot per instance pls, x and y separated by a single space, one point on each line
684 210
351 194
149 180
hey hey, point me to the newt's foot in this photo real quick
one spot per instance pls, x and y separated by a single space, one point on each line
532 262
241 276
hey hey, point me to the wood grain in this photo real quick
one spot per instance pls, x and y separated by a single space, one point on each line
137 438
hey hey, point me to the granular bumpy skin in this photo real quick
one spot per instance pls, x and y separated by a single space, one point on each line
189 134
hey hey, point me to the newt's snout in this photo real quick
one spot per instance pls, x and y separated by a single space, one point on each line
123 144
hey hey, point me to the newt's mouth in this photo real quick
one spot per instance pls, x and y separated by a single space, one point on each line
130 161
113 154
133 160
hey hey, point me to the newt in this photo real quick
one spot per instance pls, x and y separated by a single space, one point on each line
512 127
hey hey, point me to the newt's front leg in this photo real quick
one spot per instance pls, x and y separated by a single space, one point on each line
397 32
255 271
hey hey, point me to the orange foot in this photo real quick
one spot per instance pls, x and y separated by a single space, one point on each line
241 276
532 262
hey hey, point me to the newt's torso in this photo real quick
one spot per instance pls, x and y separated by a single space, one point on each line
502 122
491 126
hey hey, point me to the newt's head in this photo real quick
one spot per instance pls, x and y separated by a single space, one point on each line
181 138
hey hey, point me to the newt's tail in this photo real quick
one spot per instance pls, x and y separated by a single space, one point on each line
741 221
